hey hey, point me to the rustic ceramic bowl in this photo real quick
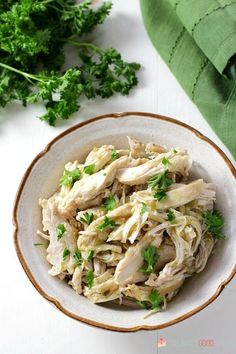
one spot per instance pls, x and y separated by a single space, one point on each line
41 180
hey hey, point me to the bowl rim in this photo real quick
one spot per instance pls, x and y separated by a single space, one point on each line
23 262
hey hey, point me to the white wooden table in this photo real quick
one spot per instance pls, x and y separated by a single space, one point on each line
30 325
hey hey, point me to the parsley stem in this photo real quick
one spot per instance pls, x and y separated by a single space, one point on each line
26 75
84 44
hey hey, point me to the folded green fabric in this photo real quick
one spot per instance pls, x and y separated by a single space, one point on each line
197 40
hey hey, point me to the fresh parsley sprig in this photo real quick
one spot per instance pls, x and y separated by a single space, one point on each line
109 203
87 218
89 169
66 253
78 258
70 177
160 184
60 231
155 299
107 223
90 279
150 257
214 222
114 155
144 209
33 36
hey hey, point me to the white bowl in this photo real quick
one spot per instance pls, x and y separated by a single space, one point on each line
41 180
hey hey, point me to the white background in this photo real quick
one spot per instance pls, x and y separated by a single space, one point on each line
30 325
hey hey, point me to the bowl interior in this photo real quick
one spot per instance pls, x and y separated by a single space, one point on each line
42 181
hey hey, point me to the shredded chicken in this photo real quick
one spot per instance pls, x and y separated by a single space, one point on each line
129 227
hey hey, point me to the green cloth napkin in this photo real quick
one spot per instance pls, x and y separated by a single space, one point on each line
197 40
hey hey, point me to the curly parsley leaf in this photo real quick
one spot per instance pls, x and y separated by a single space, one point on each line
70 177
170 215
165 161
109 203
90 255
114 155
66 253
89 170
33 36
160 195
90 279
60 231
78 258
155 299
144 209
160 181
87 218
150 257
214 223
106 223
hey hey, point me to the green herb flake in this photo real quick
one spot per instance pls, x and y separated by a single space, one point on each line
66 253
90 278
214 223
160 181
160 195
165 161
90 255
144 209
142 304
155 299
40 245
150 257
87 218
114 155
60 231
175 151
78 258
170 216
109 203
70 177
89 170
106 223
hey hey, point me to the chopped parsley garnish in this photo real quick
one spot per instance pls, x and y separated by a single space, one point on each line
60 231
87 218
214 223
150 257
161 194
160 181
40 244
109 203
89 170
142 304
160 184
66 253
175 151
78 258
90 255
170 215
70 177
144 209
165 161
114 155
155 299
106 223
89 278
